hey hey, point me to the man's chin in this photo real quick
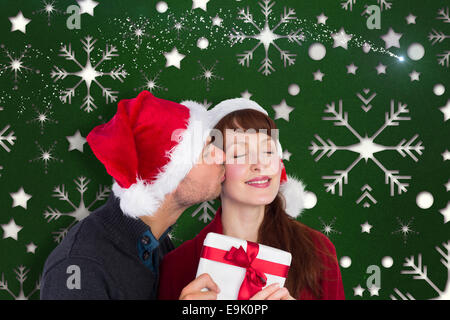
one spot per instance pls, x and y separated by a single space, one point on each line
217 193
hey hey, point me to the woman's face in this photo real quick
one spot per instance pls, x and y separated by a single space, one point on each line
252 168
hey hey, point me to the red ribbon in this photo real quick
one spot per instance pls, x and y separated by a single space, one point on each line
255 278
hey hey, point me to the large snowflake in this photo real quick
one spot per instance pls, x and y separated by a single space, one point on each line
21 276
266 36
88 73
366 148
419 272
79 212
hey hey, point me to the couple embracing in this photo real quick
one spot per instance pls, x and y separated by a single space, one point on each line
165 157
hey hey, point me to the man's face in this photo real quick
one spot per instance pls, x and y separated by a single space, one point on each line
204 181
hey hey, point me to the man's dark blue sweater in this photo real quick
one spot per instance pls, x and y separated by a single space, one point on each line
108 255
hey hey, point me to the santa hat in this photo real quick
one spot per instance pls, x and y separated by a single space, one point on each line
148 147
292 189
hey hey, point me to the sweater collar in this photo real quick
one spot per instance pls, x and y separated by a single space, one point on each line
121 227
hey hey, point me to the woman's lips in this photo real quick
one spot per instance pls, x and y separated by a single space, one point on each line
259 185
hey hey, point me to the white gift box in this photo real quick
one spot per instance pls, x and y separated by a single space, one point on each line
230 277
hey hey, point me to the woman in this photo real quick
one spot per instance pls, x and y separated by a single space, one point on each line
258 210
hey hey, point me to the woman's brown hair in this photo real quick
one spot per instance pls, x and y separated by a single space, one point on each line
278 229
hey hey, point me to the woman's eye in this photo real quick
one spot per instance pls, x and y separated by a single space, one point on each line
235 156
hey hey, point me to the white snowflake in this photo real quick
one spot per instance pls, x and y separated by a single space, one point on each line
366 148
6 139
204 208
49 8
420 272
405 229
21 273
366 194
88 73
16 63
136 31
151 83
46 155
42 117
178 26
439 36
79 212
207 74
329 228
348 4
266 36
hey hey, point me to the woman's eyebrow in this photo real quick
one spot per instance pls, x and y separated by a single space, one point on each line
242 142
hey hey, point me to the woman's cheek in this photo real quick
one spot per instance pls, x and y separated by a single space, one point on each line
235 173
275 167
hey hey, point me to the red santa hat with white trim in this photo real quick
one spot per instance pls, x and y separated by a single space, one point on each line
292 188
148 147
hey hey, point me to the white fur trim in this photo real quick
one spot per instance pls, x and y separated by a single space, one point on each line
227 106
294 193
142 198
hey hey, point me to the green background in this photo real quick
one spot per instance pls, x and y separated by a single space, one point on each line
114 22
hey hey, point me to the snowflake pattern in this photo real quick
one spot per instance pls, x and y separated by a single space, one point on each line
137 31
348 4
204 208
405 229
151 83
79 212
6 139
329 228
266 36
16 63
46 155
439 36
42 117
21 276
207 74
419 272
366 148
88 73
49 9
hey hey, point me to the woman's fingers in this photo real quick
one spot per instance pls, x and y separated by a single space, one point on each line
280 294
195 289
266 292
199 295
273 292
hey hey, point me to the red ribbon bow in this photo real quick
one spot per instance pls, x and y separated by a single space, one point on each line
254 279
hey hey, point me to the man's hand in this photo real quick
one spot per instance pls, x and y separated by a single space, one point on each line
193 291
273 292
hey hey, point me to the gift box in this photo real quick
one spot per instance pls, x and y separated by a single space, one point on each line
242 268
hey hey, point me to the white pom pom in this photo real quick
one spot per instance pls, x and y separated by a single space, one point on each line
294 193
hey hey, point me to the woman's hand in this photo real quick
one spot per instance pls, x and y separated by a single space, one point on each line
196 289
273 292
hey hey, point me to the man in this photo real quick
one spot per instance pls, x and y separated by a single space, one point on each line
162 161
